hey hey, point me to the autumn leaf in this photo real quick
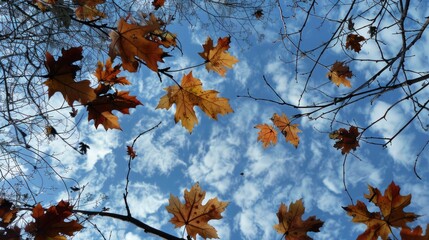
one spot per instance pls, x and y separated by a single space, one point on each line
190 93
61 74
11 233
379 224
346 140
87 9
217 58
100 110
339 74
50 224
131 152
131 41
194 215
353 42
267 135
7 212
414 234
291 224
107 74
289 131
158 3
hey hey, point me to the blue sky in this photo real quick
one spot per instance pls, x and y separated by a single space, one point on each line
169 159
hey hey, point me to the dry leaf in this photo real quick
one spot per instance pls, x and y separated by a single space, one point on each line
7 212
353 42
292 226
290 131
267 135
87 9
346 140
217 58
194 215
131 152
190 93
158 3
414 234
108 75
339 74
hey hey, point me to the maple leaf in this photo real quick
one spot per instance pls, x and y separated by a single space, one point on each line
414 234
131 152
353 42
339 74
101 108
51 224
131 41
346 140
290 131
107 74
7 212
379 224
292 226
193 214
217 58
190 93
87 9
267 135
61 74
158 3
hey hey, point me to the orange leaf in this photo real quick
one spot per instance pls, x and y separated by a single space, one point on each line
193 214
339 74
414 234
131 41
217 58
158 3
87 9
292 226
61 74
190 93
108 75
346 140
290 131
267 135
51 224
7 212
353 42
101 108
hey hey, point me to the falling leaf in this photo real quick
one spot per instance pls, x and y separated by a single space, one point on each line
100 110
290 131
267 135
353 42
339 74
131 152
379 224
131 41
346 140
291 224
7 212
61 74
190 93
50 224
414 234
107 74
194 215
217 58
158 3
87 9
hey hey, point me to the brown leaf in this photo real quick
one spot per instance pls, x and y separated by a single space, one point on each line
7 212
353 42
131 41
339 74
289 131
217 58
131 152
267 135
194 215
190 93
61 74
158 3
87 9
108 75
51 224
414 234
346 140
291 224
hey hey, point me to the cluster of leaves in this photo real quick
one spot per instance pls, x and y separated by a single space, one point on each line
268 135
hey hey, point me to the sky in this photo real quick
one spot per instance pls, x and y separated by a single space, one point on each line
224 156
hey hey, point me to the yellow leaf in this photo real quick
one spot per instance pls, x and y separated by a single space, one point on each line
290 131
218 59
194 215
339 74
190 93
